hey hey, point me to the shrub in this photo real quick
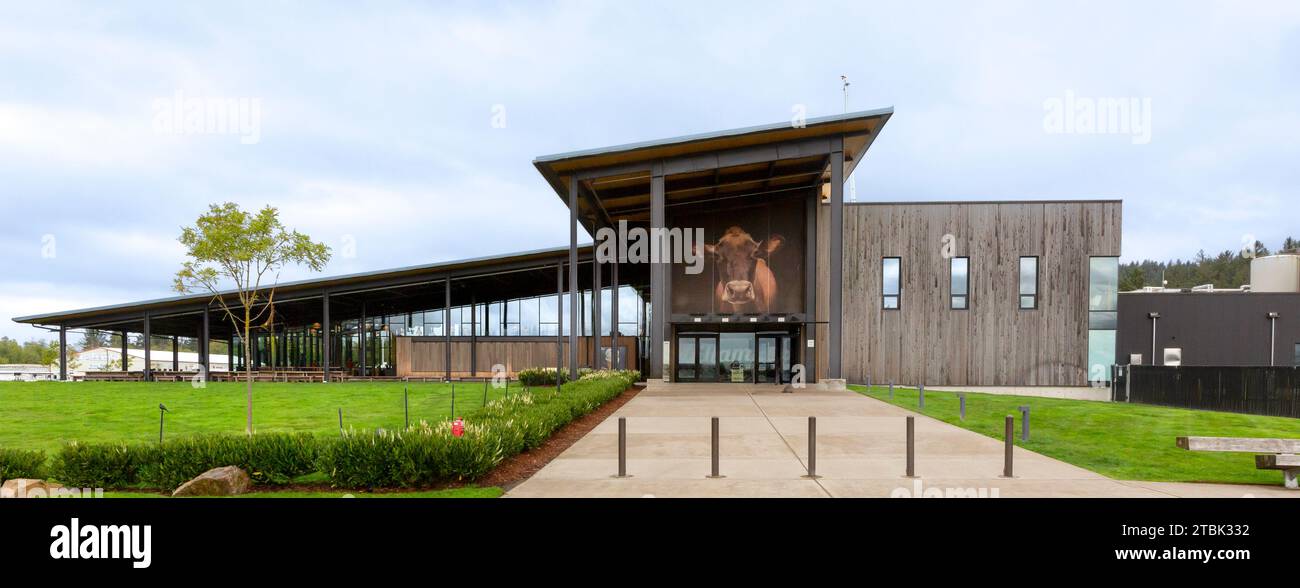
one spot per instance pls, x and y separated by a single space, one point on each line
106 465
422 455
17 463
541 376
428 453
274 459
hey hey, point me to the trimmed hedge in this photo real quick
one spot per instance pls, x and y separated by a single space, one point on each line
273 459
428 453
540 376
422 455
17 463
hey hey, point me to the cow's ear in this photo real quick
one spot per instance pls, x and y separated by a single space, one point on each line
771 244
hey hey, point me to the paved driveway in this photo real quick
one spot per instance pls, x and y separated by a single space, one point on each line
861 452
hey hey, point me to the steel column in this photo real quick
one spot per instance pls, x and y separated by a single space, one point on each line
325 336
205 342
126 360
559 322
835 237
63 353
473 337
446 325
361 338
613 315
658 290
176 353
573 277
596 355
148 347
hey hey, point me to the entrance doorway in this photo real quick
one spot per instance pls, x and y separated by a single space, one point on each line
697 357
764 357
773 355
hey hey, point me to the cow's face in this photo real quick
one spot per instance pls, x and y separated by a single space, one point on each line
736 255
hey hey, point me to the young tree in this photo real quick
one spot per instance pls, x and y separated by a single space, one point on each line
230 246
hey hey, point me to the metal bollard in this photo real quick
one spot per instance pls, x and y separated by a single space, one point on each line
1010 446
1024 423
453 400
340 421
716 470
406 406
868 382
911 447
812 448
622 447
920 394
485 390
962 399
891 389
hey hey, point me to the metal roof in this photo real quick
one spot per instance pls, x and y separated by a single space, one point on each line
473 262
758 129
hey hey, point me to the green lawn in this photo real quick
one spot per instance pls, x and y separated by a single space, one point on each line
1120 440
467 492
45 415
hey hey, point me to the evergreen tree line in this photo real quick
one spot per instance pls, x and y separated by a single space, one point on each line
1228 269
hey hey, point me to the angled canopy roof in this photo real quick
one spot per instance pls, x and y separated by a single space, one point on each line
614 182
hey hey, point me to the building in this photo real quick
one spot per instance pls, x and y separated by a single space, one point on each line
100 359
724 256
26 373
1254 325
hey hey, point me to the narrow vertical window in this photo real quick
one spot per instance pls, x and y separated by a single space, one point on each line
959 283
1028 283
890 282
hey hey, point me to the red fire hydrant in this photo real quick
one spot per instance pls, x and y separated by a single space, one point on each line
458 427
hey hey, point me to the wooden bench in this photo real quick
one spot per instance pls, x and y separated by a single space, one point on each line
1274 454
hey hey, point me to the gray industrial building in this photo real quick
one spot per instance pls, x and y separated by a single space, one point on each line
1254 325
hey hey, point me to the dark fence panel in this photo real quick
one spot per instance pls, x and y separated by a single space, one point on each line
1269 391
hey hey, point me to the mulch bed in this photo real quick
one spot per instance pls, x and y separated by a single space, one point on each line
515 470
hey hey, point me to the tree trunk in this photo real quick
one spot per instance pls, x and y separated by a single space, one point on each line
248 378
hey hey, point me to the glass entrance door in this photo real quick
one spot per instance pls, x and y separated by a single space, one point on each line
697 358
774 358
766 371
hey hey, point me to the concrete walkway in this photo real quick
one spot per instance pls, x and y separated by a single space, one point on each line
861 452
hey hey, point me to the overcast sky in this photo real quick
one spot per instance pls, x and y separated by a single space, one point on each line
408 130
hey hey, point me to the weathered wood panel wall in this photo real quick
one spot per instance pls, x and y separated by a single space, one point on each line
994 342
425 357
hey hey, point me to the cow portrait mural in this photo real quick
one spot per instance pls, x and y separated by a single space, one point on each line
753 260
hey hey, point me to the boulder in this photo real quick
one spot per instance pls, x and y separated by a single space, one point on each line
222 481
836 383
28 488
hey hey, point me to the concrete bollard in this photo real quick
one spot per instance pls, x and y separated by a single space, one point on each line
716 469
812 448
1009 447
911 447
1024 423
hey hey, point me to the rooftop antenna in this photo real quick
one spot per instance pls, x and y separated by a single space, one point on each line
845 80
853 186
